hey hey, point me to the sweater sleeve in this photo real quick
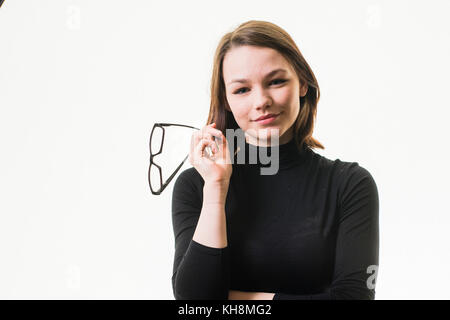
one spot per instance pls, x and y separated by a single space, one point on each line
199 271
356 259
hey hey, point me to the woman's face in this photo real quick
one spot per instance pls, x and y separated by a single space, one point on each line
252 90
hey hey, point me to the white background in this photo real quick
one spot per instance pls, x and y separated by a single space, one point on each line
82 82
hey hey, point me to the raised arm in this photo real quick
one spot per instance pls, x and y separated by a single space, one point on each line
201 262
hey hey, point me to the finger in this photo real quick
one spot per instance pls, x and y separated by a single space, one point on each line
198 136
199 149
225 153
213 132
207 132
195 139
200 133
208 136
216 136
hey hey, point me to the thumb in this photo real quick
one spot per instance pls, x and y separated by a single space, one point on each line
225 156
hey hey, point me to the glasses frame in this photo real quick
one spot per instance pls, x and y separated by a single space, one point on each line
152 155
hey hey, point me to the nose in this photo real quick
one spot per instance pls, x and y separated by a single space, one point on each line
262 100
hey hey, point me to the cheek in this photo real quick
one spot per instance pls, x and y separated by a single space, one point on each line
242 115
286 97
239 108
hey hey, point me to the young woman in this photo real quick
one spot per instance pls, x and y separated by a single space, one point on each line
310 231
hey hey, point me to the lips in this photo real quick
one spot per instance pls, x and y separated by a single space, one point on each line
267 116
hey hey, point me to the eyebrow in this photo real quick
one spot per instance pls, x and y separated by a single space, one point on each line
271 73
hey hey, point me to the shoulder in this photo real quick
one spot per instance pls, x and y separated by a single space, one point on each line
352 180
188 182
355 181
343 171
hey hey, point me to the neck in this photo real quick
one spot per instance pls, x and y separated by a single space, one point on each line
285 155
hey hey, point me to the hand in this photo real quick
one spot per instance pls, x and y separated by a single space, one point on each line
244 295
218 167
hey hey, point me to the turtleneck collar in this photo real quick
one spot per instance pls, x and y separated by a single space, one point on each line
288 154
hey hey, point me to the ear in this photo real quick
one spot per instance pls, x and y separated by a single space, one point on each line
304 89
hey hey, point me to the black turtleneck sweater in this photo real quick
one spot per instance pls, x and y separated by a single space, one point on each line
308 232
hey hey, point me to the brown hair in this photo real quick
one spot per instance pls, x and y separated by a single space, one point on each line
265 34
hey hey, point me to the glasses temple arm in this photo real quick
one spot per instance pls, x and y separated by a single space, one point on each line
173 174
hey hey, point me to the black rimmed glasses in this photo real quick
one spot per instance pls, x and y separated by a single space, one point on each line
155 179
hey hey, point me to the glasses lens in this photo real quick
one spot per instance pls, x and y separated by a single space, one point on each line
156 142
155 178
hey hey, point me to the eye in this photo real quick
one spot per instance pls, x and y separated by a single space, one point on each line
239 90
282 80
